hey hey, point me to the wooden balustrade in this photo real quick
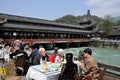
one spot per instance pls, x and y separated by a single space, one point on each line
111 70
49 40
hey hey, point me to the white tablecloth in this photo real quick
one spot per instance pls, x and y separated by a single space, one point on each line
35 72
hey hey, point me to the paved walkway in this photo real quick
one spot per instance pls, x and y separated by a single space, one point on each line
22 78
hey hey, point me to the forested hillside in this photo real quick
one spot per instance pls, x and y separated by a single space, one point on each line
105 24
71 19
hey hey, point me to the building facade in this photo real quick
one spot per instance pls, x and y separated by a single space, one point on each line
19 27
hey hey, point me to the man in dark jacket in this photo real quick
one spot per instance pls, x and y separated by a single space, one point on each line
40 56
33 54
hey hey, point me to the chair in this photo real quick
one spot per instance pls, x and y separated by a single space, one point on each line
102 73
20 62
83 77
13 78
100 77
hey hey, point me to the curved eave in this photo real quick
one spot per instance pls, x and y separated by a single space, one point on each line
35 20
116 32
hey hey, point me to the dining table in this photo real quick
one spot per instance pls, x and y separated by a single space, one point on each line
51 72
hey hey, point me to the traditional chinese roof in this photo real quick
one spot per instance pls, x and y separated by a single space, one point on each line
36 20
20 22
116 32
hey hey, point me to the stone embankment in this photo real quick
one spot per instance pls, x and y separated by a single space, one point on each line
106 43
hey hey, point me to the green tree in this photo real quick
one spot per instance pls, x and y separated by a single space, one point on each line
106 25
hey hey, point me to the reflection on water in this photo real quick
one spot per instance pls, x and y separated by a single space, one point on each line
104 55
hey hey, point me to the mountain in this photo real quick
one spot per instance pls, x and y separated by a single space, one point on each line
116 21
116 18
71 19
68 19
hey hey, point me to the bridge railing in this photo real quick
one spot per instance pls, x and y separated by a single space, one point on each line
112 70
49 40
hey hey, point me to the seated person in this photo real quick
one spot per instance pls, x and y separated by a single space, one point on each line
53 56
89 66
69 70
60 56
19 51
80 57
21 59
40 56
34 52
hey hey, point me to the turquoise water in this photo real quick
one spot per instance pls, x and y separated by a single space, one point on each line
104 55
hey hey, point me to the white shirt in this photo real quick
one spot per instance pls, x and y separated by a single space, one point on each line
1 53
58 59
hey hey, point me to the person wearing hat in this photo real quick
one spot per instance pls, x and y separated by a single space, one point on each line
69 70
60 56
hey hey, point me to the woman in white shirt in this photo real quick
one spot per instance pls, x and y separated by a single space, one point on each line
60 56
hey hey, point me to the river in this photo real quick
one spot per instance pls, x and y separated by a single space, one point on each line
104 55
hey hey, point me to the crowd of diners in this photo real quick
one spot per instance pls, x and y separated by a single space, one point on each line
86 62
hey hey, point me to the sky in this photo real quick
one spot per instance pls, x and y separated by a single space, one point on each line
53 9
